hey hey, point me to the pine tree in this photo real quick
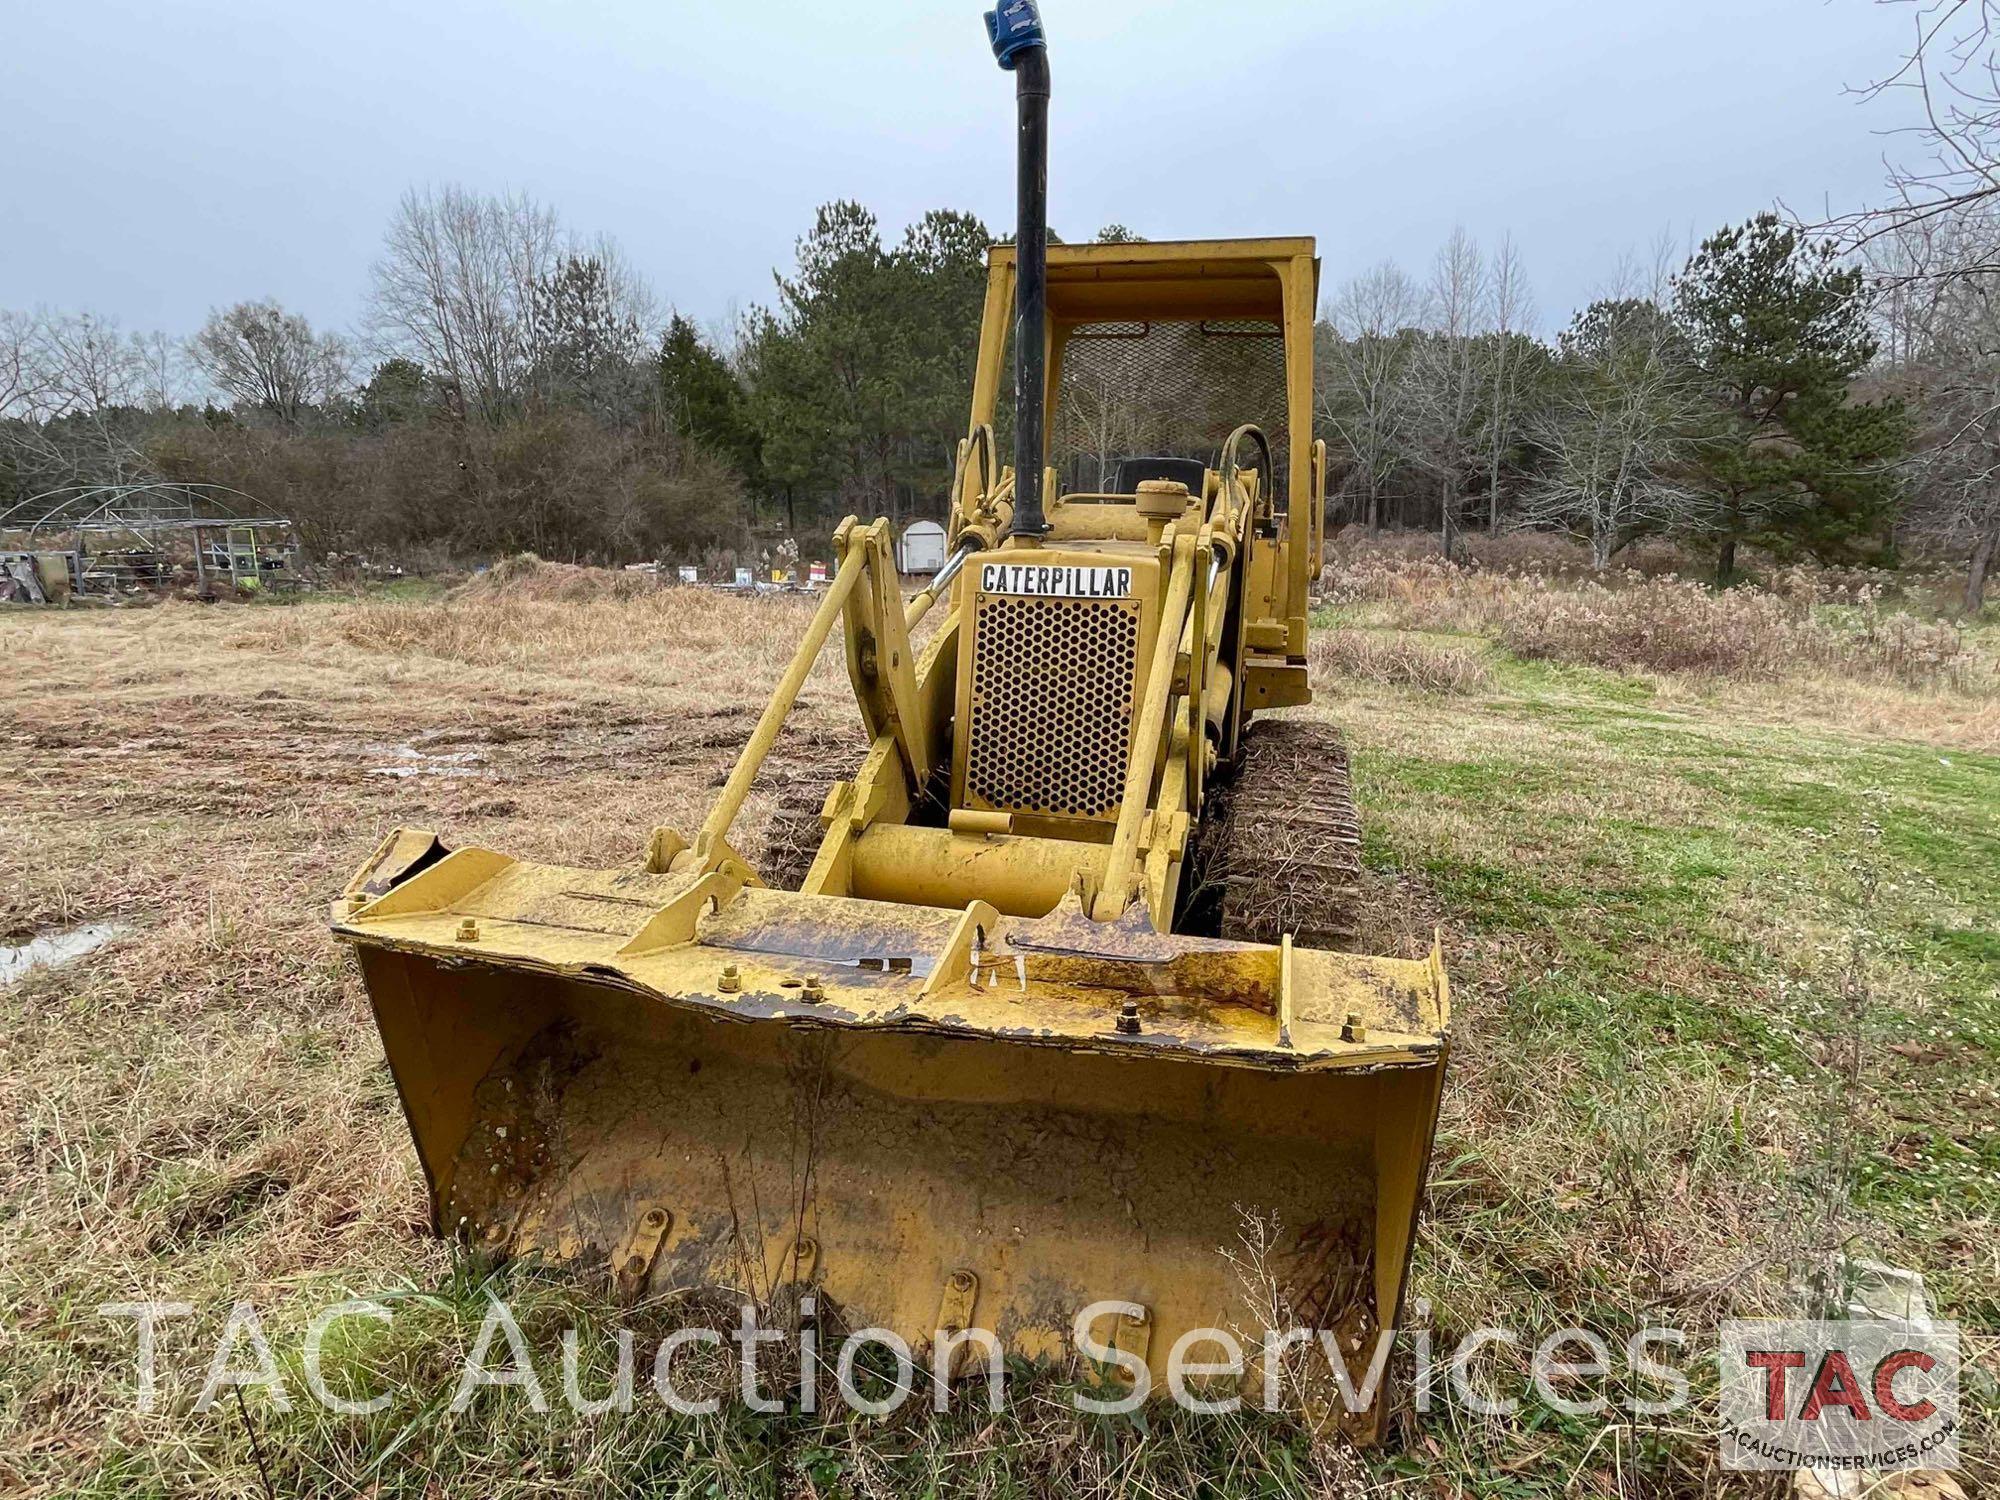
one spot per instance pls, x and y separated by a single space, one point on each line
858 378
703 400
1779 330
584 343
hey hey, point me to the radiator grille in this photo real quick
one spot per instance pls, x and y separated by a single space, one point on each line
1052 705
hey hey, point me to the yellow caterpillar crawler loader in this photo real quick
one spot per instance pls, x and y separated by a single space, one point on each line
1038 1009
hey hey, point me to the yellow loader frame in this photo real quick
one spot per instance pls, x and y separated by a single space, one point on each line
968 1075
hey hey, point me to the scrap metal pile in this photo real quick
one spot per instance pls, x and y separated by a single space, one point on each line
141 540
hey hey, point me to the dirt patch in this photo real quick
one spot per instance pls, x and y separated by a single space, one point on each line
214 1208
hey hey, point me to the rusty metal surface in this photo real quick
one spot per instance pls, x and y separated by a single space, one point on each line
915 1092
1060 981
560 1112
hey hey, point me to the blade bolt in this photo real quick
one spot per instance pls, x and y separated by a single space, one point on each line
1128 1018
468 931
731 980
961 1281
812 987
1353 1029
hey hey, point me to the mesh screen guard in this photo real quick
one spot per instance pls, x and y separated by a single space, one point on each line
1163 388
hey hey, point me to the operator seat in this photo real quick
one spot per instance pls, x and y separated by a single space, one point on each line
1132 472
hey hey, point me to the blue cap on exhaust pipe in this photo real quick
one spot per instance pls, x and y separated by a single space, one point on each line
1013 28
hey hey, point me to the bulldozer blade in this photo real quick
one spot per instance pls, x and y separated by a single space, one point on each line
935 1119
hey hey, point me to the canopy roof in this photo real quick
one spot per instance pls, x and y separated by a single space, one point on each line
1168 279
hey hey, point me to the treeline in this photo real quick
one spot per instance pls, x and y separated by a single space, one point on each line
516 388
1810 394
1726 404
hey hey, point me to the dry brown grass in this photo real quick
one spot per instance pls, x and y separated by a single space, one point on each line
1672 625
1865 709
1826 627
526 576
1509 552
678 642
200 1110
1398 660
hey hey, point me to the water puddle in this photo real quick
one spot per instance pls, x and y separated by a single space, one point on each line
49 949
410 761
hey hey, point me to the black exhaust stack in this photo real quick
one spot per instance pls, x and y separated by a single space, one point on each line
1016 33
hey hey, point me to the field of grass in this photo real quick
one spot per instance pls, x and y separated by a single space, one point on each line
1723 943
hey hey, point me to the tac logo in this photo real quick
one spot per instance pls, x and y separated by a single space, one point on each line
1842 1396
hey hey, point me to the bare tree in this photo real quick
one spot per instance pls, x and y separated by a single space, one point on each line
73 386
1100 421
1958 499
1903 305
1512 309
626 290
1952 72
163 370
454 290
461 288
1646 276
26 394
93 367
93 374
1945 325
260 356
56 365
1933 253
23 364
1444 382
1365 344
1623 411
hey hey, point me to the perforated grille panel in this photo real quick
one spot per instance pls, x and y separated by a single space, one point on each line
1052 704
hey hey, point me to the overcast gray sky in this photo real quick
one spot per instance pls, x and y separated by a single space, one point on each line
166 156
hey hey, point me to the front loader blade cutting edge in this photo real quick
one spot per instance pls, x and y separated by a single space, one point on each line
936 1118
